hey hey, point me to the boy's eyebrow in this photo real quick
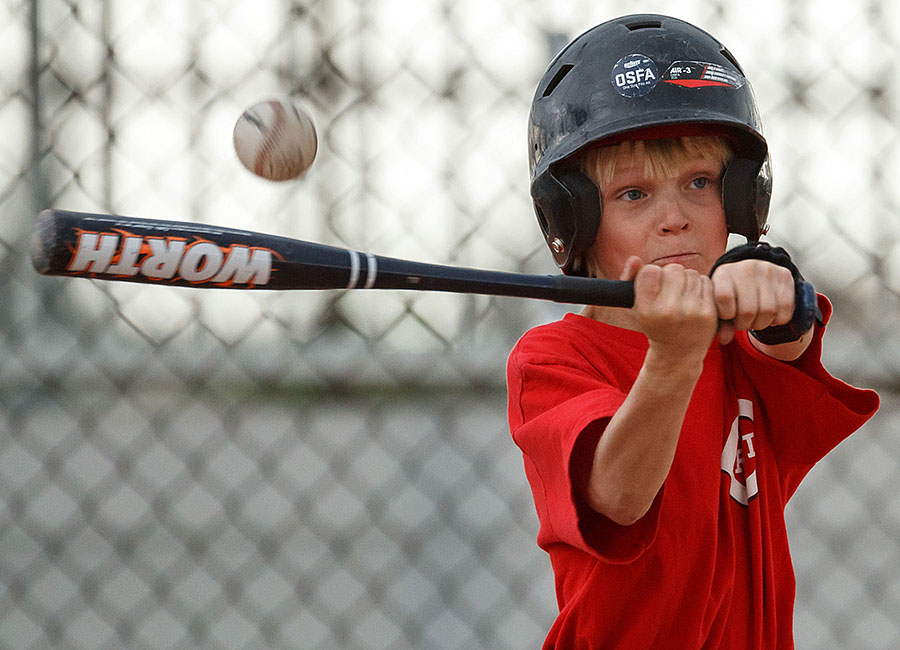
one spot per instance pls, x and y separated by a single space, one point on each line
633 175
711 165
618 183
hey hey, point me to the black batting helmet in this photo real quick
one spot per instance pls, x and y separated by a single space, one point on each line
642 76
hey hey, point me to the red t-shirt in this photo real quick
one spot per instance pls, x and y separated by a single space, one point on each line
708 566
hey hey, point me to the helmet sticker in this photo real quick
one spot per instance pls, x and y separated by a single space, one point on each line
634 75
697 74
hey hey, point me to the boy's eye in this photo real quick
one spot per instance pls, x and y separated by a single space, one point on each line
701 182
632 195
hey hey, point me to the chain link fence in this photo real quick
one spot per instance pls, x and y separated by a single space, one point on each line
190 469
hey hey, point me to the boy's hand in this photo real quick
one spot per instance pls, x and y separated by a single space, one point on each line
752 294
674 308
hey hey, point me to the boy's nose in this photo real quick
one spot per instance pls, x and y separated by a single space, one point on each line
673 217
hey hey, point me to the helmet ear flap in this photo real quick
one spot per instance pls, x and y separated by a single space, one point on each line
746 194
568 207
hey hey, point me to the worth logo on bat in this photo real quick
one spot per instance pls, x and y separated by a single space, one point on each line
122 255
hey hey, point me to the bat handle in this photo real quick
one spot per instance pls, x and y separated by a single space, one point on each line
593 291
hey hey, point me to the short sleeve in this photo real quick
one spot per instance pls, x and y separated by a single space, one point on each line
810 411
557 413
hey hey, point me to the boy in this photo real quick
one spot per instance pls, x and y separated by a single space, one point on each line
663 442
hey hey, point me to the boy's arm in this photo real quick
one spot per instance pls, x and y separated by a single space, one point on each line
674 308
635 452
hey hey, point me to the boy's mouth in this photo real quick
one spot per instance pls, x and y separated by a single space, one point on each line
677 258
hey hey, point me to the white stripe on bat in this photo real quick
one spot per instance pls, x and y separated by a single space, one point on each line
371 271
354 269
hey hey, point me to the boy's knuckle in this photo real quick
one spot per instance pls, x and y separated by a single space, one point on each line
746 316
723 295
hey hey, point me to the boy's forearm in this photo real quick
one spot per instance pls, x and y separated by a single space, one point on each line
635 452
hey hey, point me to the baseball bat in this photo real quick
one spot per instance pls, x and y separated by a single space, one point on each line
155 251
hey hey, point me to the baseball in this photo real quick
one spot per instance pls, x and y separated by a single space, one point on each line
276 139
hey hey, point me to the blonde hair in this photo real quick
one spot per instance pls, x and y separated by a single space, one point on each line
661 159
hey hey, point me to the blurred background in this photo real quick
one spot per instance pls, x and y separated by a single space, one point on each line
190 469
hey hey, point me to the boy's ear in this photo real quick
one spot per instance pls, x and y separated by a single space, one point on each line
568 207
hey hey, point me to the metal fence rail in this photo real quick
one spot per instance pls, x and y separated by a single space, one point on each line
189 469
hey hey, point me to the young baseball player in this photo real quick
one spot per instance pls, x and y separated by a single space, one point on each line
662 442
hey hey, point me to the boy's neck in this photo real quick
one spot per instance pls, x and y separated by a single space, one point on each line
611 316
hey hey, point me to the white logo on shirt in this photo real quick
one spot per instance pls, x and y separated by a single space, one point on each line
739 456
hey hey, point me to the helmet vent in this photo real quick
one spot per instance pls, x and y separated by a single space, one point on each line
562 72
728 55
644 24
542 220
